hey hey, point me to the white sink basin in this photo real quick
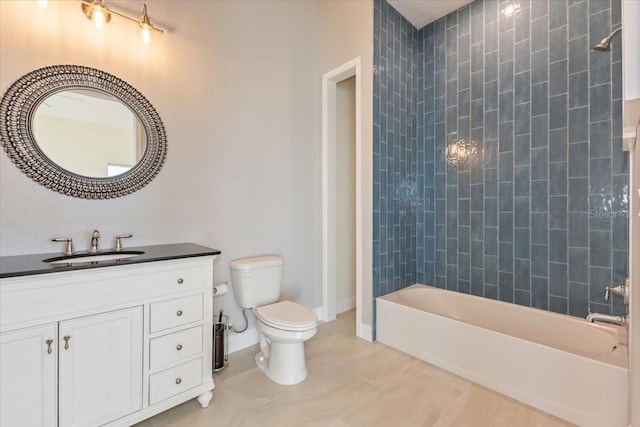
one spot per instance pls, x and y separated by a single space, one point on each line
88 258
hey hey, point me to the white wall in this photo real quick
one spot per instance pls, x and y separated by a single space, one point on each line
631 35
347 32
634 289
237 85
631 108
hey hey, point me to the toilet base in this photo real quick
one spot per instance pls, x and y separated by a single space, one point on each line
292 369
281 356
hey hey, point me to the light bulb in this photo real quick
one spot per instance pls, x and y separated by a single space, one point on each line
42 4
145 32
98 18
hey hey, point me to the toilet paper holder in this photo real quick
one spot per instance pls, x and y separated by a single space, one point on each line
221 289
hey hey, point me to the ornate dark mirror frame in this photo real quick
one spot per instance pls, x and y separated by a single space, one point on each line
20 102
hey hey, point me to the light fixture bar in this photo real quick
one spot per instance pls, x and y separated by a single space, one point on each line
96 9
144 18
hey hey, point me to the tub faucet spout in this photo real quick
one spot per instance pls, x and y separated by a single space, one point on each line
606 318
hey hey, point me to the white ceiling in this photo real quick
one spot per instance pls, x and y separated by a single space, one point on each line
423 12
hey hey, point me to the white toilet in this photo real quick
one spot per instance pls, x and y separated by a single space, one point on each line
283 326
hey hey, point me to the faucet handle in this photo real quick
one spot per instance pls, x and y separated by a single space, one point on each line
622 290
68 246
95 237
118 245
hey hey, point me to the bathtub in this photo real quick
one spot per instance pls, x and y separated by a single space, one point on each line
559 364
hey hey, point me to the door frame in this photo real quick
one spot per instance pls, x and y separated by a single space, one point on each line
330 80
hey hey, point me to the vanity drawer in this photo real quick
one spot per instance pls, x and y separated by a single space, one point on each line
27 299
173 347
175 312
175 380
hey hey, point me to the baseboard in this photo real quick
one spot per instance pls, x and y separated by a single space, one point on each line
364 331
239 341
346 304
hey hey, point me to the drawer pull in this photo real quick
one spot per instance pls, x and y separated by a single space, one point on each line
180 281
66 339
178 380
179 347
179 313
49 342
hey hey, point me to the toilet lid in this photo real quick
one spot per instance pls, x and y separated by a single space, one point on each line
287 315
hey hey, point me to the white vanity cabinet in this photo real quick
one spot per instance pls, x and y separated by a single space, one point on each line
28 377
105 346
104 349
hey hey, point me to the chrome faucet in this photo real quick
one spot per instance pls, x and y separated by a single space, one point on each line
118 245
94 241
68 244
607 318
621 290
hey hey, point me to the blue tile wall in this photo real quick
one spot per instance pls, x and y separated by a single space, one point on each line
538 215
399 161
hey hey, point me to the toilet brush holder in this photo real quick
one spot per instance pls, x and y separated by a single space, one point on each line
220 358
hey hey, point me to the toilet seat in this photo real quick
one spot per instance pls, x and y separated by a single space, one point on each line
287 316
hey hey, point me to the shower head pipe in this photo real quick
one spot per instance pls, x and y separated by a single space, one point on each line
605 44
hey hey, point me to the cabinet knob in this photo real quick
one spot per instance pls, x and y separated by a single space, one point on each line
178 380
180 281
49 342
179 347
179 313
66 339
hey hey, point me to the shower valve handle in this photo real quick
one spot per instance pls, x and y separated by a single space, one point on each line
618 290
622 290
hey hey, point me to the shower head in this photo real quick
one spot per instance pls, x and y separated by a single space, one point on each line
605 44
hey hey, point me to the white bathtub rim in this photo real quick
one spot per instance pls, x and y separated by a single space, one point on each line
619 366
499 302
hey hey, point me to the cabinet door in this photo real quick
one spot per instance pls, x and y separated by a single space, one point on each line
28 367
100 367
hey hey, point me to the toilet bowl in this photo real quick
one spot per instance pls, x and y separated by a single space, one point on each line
283 326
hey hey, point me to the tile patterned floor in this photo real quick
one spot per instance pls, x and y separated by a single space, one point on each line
353 383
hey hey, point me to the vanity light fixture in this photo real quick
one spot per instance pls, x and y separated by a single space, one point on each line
145 26
100 14
97 12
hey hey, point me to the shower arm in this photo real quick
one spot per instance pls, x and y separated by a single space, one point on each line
605 43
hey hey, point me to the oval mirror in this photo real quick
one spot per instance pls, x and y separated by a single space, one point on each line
89 133
82 132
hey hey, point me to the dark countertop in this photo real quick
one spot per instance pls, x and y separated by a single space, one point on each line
26 265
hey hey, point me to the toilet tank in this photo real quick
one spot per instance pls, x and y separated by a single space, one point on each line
256 281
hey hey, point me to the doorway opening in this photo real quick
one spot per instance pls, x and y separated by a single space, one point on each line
345 195
342 185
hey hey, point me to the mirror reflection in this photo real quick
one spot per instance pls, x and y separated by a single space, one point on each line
89 133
